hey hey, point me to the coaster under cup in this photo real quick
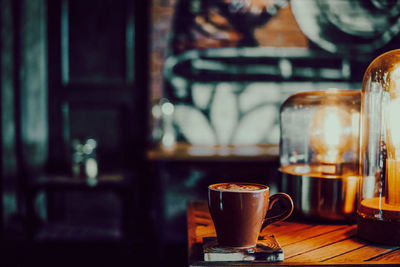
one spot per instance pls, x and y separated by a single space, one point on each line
266 250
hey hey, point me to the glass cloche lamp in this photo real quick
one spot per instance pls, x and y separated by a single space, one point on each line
319 152
378 213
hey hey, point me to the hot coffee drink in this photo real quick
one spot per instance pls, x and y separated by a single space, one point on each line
239 211
238 187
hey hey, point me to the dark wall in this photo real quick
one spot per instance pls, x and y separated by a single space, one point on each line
69 70
97 79
24 120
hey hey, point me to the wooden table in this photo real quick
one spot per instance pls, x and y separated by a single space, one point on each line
304 243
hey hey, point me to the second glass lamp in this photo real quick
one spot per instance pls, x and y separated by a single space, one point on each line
319 152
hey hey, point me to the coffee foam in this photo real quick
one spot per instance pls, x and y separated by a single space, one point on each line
238 187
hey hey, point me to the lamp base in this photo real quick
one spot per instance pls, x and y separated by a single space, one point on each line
379 231
321 197
377 224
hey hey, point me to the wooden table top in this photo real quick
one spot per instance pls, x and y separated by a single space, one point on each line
303 243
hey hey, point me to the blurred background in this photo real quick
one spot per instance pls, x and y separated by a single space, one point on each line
115 114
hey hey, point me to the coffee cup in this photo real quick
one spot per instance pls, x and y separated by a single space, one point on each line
239 212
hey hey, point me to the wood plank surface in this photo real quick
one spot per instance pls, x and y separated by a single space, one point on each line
327 252
304 243
318 241
286 239
393 256
366 253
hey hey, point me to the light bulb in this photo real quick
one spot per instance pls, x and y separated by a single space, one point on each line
393 127
392 182
331 132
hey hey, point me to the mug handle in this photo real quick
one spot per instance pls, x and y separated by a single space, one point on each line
280 217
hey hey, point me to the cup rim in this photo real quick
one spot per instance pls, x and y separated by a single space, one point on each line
265 187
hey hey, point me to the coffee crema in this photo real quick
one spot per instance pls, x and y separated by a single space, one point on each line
237 187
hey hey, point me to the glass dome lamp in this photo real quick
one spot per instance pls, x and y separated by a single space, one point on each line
378 213
319 152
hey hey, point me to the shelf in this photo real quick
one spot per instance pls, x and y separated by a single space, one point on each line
104 181
184 152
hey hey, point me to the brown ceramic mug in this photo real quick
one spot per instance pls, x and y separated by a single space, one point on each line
239 211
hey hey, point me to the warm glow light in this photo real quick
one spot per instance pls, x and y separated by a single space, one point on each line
332 130
394 125
393 161
331 133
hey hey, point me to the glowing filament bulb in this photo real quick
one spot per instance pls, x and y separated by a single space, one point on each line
330 133
394 125
393 161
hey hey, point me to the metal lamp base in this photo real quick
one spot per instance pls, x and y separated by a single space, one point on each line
322 198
